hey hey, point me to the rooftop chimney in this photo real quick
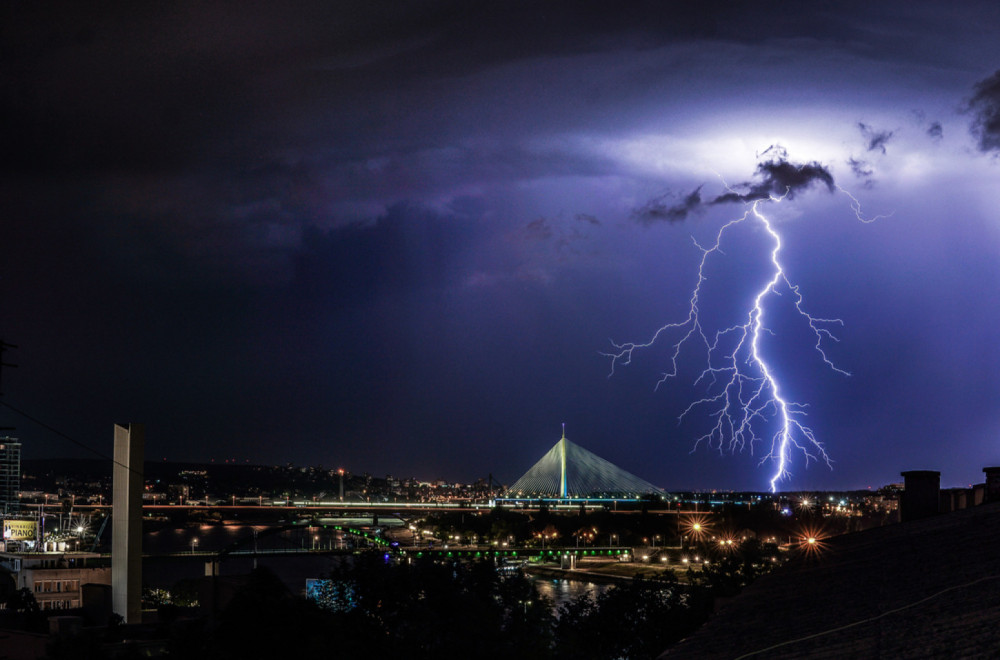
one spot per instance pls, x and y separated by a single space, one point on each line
921 494
992 484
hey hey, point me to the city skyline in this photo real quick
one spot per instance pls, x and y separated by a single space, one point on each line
399 241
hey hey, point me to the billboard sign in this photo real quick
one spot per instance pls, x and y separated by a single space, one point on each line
19 530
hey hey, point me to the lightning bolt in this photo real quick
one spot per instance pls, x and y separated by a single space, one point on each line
743 392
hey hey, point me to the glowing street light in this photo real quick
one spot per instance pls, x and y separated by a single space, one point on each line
812 541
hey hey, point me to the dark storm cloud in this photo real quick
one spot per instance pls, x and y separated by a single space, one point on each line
985 108
861 168
776 178
409 248
664 208
875 139
932 129
564 232
162 86
538 230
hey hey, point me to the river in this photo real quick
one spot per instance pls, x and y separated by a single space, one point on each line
293 570
562 591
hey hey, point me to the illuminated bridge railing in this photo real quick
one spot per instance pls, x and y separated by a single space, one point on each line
518 553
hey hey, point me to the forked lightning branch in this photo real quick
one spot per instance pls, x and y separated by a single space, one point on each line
743 393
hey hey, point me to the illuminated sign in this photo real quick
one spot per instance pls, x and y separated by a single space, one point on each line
19 530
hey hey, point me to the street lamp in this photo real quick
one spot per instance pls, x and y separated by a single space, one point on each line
194 542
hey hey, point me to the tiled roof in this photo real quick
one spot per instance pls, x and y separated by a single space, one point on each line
923 589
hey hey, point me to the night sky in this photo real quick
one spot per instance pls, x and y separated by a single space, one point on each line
399 240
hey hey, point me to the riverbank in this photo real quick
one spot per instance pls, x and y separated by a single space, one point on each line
600 572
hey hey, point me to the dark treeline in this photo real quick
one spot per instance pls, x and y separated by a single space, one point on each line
378 606
433 610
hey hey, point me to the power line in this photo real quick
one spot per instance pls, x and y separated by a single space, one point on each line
3 348
65 436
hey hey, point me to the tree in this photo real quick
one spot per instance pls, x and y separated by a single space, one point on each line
731 571
430 609
636 621
265 620
22 600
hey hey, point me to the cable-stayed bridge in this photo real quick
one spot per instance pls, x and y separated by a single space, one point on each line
568 471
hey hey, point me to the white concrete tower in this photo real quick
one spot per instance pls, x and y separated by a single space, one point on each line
126 521
562 464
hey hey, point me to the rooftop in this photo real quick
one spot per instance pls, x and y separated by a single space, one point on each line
50 555
928 588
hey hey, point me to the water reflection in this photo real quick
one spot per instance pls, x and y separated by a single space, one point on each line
561 591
